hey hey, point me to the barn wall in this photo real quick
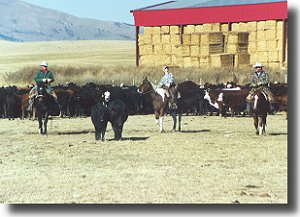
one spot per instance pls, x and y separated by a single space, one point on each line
213 45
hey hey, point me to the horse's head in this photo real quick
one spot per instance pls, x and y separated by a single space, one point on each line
145 86
41 93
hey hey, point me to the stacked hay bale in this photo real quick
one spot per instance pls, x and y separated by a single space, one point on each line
265 41
213 45
237 44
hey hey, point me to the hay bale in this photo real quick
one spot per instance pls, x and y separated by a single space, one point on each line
224 27
216 27
272 45
273 56
182 50
146 49
158 49
166 39
261 25
252 47
262 56
235 27
145 39
232 48
165 30
198 28
271 35
207 27
156 30
254 58
279 34
156 39
186 39
261 35
187 62
279 25
216 48
175 39
189 29
176 60
242 59
232 38
195 62
215 38
204 50
274 64
147 30
195 50
204 61
252 36
271 25
262 46
167 49
221 60
195 39
252 26
243 27
174 30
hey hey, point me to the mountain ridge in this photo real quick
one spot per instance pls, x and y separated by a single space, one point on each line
21 21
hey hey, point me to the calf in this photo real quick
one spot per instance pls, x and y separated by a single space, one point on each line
234 99
99 115
118 114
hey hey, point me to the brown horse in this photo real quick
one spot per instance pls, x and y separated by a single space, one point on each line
260 108
160 106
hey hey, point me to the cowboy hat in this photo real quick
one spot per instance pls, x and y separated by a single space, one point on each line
44 63
258 65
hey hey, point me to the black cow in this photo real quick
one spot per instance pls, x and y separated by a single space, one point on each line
100 115
13 102
118 114
2 102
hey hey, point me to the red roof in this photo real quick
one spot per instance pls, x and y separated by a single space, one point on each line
217 14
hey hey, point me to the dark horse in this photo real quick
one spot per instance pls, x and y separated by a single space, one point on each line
161 108
44 104
260 108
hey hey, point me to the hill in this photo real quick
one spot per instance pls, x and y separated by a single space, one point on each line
21 21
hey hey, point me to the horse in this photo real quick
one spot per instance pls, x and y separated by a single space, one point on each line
260 108
160 106
44 105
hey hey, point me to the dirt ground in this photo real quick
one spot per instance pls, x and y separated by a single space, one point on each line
213 160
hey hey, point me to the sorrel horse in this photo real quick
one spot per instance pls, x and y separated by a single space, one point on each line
260 108
44 104
160 106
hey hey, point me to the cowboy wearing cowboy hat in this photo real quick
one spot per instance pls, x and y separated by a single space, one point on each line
42 76
260 81
165 82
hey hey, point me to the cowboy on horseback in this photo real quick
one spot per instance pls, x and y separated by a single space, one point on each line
165 83
260 82
45 77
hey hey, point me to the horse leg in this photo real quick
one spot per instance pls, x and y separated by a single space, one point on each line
161 127
40 120
173 115
179 120
45 123
264 122
156 117
255 118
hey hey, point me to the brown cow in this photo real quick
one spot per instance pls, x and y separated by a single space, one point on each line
233 99
282 102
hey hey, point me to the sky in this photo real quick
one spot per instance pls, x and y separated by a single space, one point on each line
106 10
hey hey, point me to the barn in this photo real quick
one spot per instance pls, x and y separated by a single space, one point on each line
212 33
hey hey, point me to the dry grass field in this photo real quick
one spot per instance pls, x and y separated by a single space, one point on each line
16 55
213 160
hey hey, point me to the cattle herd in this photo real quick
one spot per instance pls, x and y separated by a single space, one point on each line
83 101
